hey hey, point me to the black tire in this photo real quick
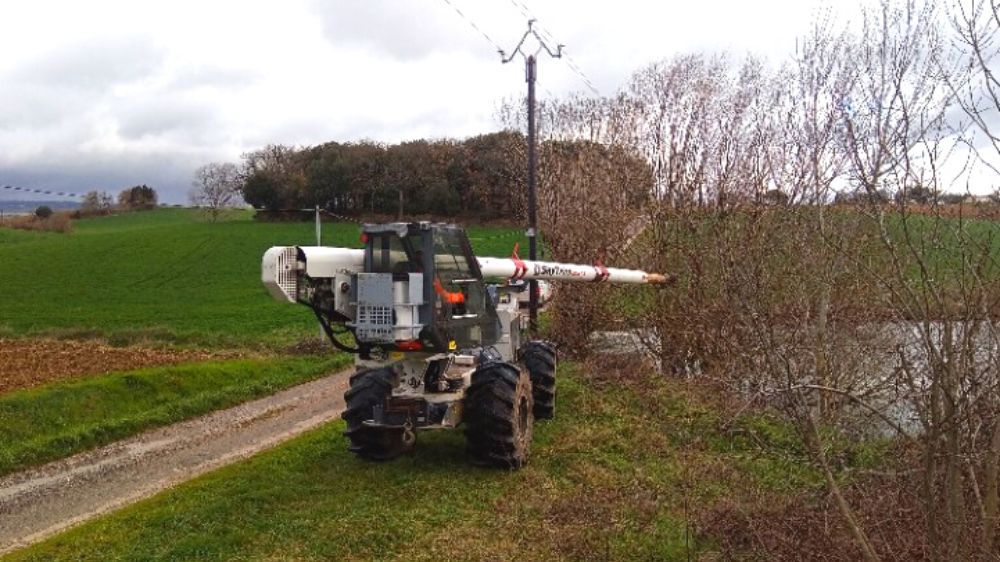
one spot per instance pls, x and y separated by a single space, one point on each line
540 359
358 373
498 416
369 389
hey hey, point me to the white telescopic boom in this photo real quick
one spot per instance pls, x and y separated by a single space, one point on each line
512 268
282 264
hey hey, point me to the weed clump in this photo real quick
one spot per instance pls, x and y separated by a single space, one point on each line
44 222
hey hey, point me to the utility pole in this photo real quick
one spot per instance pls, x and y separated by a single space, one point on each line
530 72
319 242
319 237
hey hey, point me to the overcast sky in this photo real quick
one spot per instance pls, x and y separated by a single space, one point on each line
104 94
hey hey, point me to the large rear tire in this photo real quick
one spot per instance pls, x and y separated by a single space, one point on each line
498 416
540 359
369 389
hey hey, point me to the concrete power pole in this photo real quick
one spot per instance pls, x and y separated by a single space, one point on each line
531 71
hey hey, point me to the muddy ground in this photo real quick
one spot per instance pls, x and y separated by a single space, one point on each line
27 363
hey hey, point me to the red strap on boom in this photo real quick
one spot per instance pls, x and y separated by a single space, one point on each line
602 272
520 268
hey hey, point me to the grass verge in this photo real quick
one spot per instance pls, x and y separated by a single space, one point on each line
59 419
616 475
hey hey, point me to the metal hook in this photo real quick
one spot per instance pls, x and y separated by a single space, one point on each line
409 437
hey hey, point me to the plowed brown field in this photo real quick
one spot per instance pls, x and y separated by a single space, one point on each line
26 363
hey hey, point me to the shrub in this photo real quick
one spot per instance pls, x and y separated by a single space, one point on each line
55 222
43 212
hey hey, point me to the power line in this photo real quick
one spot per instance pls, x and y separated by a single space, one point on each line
526 12
579 72
42 191
520 7
474 26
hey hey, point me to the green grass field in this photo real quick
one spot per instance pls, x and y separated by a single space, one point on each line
945 245
168 275
59 419
625 471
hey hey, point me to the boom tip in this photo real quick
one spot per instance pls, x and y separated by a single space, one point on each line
660 279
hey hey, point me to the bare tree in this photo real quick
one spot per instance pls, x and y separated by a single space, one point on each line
216 186
96 203
938 281
976 27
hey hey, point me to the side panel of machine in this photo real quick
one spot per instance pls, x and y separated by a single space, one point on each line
374 321
279 273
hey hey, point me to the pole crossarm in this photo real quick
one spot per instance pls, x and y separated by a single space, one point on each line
542 45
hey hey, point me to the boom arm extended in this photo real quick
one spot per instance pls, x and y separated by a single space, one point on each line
281 264
418 287
514 268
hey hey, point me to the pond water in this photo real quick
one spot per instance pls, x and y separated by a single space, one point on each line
890 365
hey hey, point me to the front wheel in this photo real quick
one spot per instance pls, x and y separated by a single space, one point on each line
540 359
369 389
498 416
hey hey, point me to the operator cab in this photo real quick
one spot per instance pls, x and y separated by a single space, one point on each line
422 290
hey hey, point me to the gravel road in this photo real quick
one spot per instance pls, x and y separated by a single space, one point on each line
40 502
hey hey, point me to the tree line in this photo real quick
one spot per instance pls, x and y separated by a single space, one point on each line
482 176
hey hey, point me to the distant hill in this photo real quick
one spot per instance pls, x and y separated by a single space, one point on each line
21 207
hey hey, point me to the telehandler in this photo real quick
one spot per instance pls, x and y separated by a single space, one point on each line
438 333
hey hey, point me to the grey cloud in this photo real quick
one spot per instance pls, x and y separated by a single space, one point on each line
170 175
164 116
404 29
92 65
64 83
64 101
62 95
33 106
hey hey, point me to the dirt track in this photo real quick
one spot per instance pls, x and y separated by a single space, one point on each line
41 502
25 363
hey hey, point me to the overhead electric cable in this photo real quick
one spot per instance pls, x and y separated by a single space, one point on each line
474 26
42 191
526 12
